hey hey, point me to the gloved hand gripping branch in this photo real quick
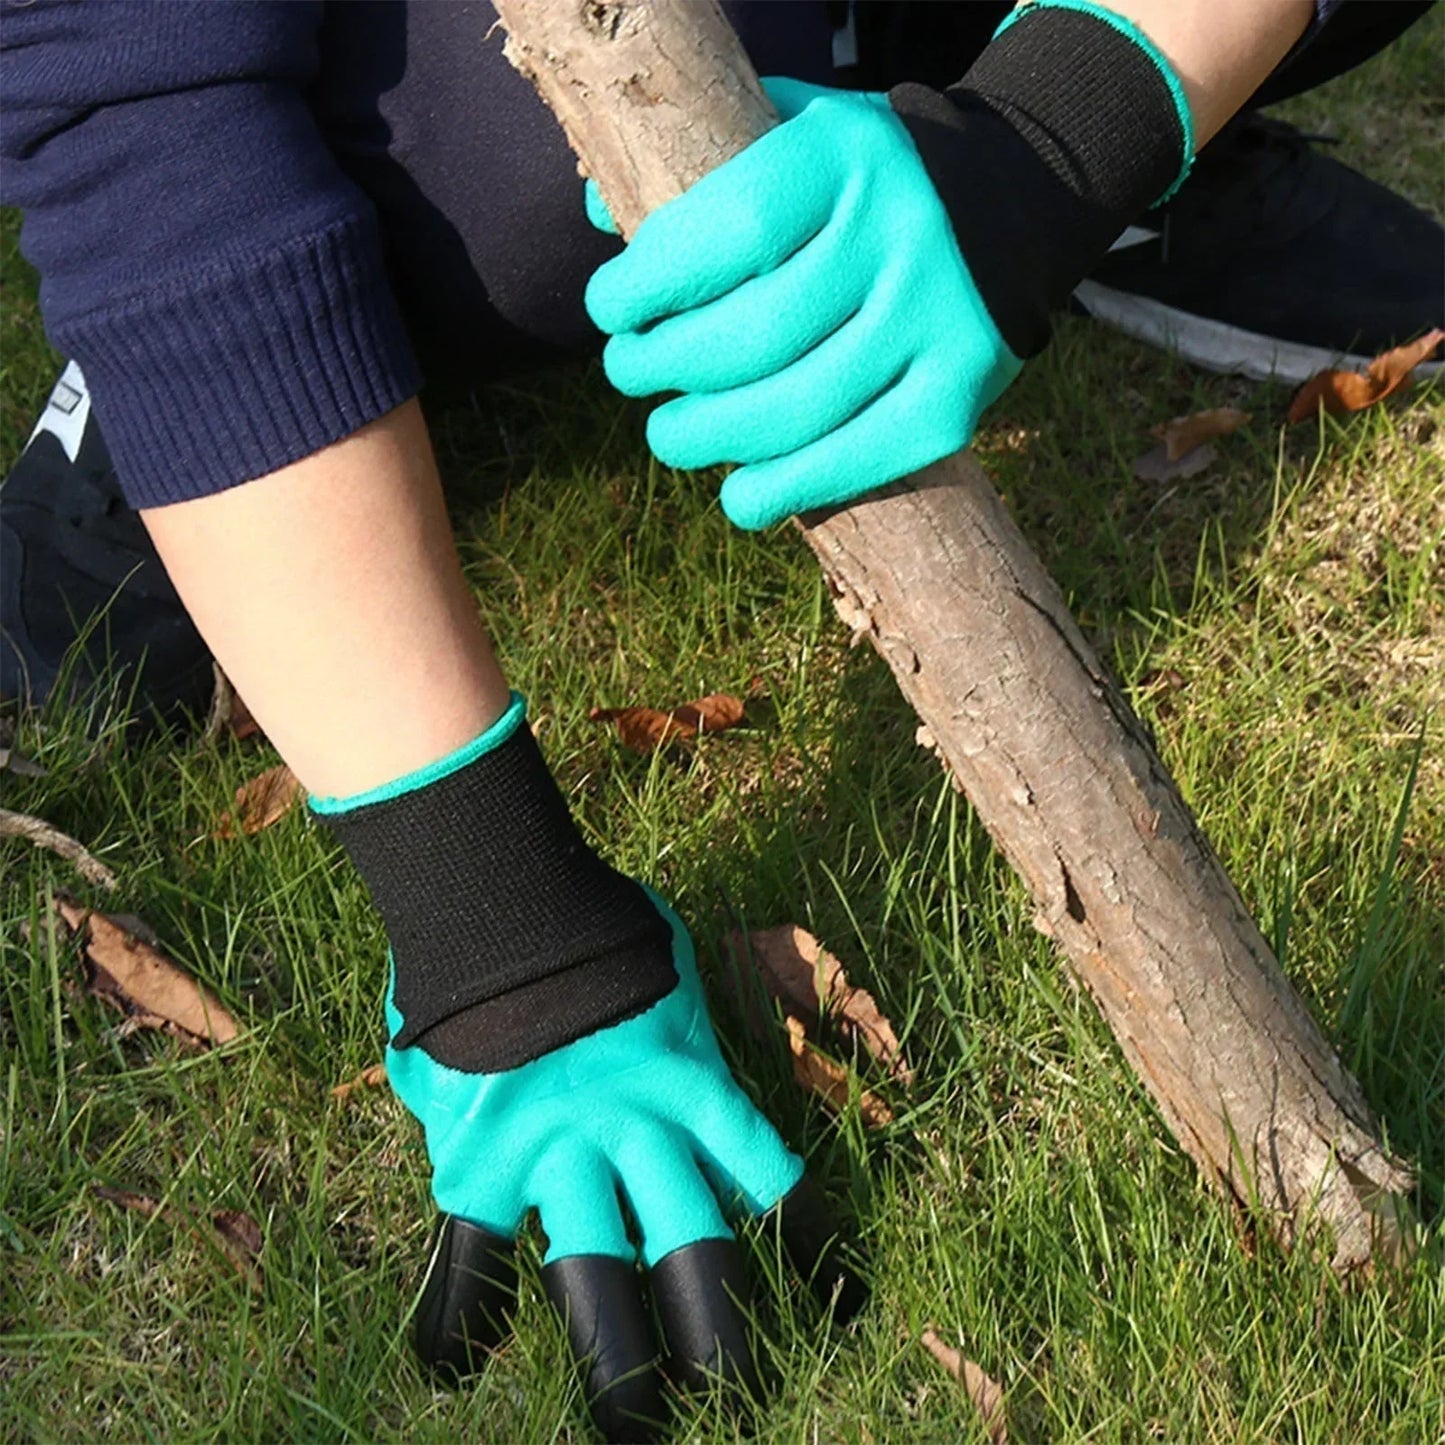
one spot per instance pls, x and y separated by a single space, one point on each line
839 303
549 1031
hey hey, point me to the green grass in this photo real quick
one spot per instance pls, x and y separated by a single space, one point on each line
1279 622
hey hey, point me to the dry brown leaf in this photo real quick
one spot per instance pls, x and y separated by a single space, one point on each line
241 1240
38 831
829 1081
714 713
985 1393
242 724
237 1234
366 1079
1182 434
133 975
265 800
808 981
140 1203
1155 466
228 712
645 728
20 765
239 1229
1345 391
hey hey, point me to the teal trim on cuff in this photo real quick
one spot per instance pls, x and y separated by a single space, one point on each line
1126 27
493 738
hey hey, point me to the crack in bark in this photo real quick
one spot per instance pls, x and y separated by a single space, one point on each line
1073 904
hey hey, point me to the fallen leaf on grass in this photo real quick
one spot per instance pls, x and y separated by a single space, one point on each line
140 1203
1168 679
645 728
810 983
366 1079
39 832
1155 466
1345 391
243 725
1183 434
20 765
237 1234
228 712
133 975
265 800
817 1073
984 1392
241 1240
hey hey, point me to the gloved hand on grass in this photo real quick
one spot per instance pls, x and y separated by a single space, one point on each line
548 1029
839 303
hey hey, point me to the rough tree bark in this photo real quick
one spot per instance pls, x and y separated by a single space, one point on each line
937 576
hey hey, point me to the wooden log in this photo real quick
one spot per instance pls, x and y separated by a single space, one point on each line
936 575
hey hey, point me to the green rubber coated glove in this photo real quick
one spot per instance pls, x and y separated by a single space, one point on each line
647 1106
809 300
645 1112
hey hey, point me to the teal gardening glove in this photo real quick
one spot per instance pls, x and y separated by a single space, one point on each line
839 303
809 300
565 1064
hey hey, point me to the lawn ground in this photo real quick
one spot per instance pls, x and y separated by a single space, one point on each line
1279 622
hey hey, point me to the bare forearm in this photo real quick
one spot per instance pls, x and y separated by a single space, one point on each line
331 593
1222 50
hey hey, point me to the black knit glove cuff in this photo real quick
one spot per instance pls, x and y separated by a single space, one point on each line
510 937
1065 129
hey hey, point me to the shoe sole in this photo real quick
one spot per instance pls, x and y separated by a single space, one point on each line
1215 345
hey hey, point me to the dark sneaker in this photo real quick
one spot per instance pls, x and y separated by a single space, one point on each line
84 598
1274 261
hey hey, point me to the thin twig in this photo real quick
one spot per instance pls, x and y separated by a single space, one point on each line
223 700
20 765
39 832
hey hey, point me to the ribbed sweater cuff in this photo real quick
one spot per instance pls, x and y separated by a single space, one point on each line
256 362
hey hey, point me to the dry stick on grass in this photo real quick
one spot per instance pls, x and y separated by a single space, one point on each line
39 832
936 575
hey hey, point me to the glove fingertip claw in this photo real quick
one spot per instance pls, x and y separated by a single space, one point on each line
596 1297
701 1293
466 1303
810 1235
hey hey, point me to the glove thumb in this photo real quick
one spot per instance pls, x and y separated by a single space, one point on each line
597 211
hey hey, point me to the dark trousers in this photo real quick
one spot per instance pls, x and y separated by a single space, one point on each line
478 194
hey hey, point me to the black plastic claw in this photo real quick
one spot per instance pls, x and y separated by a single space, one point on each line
700 1291
600 1304
810 1235
467 1299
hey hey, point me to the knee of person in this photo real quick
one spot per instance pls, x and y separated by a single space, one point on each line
487 292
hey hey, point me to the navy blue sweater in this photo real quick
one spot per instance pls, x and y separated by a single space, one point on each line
202 254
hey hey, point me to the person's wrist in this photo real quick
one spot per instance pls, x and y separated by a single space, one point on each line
1067 127
509 936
